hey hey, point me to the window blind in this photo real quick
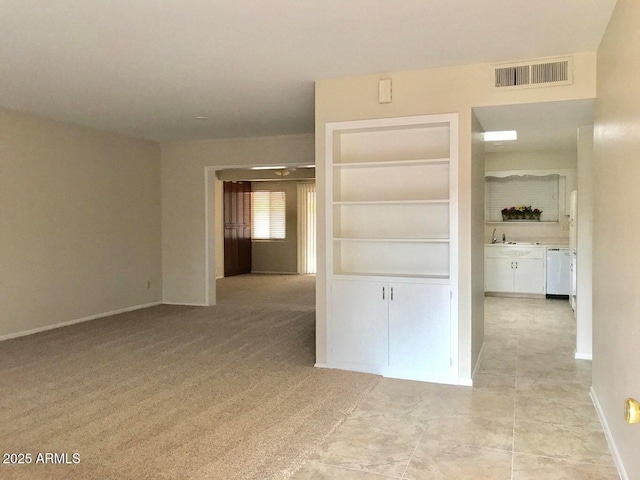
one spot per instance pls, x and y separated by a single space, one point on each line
535 191
268 215
306 227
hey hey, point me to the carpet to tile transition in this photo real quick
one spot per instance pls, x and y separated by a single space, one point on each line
225 392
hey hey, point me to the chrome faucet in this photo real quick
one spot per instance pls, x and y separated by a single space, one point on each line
494 239
504 238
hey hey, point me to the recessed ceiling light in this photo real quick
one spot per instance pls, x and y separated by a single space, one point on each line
500 136
269 167
202 118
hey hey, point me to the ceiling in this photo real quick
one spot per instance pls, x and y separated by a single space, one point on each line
540 126
149 68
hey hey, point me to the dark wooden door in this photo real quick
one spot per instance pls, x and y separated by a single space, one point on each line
237 228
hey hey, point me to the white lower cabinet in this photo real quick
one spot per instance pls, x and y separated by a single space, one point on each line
529 276
515 270
360 325
420 332
498 274
397 329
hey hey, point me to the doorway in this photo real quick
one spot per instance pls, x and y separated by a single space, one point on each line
237 228
260 177
552 139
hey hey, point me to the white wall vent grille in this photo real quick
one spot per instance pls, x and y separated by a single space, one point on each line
512 76
535 73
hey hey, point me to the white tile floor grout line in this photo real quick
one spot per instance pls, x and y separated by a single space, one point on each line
522 349
515 403
413 453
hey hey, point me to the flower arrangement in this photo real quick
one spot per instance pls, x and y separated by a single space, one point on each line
521 212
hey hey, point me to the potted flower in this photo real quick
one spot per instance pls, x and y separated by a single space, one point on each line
528 213
536 214
505 214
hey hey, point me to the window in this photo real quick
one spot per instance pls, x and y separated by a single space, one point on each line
537 192
268 219
306 227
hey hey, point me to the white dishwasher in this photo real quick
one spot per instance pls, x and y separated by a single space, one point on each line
558 272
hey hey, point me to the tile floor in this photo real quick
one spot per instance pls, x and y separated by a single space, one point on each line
528 416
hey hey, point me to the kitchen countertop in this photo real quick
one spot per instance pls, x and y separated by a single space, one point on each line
527 244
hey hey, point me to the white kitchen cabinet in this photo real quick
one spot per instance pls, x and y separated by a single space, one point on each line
396 329
529 276
515 269
498 274
419 332
392 226
360 326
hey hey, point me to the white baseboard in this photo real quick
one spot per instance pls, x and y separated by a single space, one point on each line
465 382
583 356
617 460
180 304
24 333
266 272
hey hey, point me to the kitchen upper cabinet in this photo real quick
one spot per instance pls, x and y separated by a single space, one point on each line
515 269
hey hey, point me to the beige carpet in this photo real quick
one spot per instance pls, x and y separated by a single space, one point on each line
226 392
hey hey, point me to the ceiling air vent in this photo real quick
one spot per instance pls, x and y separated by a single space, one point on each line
534 73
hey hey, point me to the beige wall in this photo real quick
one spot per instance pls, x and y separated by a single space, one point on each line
553 233
218 232
616 256
80 223
279 256
536 160
478 158
443 90
186 277
584 243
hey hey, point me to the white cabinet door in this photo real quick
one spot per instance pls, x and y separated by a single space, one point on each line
498 275
529 276
359 325
419 331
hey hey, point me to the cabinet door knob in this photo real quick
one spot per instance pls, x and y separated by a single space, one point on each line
383 293
391 293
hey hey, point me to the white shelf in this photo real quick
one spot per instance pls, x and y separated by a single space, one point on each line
393 202
408 182
392 240
523 222
406 256
386 276
393 163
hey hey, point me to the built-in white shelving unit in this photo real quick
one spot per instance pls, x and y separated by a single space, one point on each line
392 246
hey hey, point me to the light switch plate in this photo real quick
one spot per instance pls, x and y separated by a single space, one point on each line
384 90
